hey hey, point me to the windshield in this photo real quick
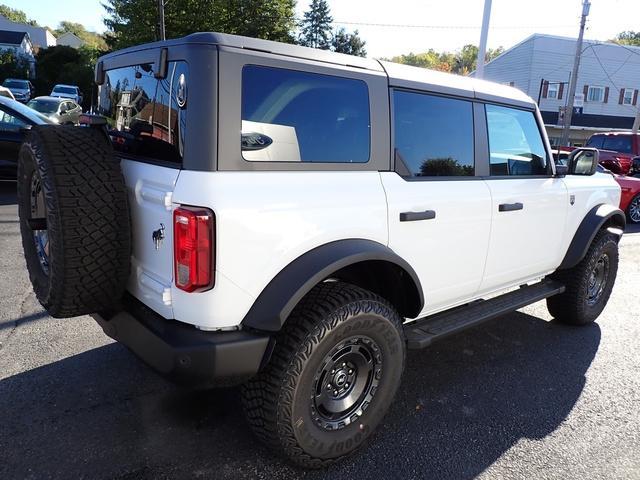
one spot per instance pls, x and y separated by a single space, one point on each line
69 90
16 84
44 106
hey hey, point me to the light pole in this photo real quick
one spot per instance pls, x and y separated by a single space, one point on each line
574 75
484 33
161 32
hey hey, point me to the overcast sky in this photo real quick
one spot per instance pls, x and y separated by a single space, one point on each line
401 26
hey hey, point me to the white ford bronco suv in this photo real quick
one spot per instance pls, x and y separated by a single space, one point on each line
292 220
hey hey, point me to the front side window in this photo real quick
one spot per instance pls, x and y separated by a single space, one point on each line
433 135
515 143
293 116
146 116
595 141
595 94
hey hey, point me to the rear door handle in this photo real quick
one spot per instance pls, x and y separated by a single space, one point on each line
510 207
414 216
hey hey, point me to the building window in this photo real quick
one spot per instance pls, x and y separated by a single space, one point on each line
627 96
552 91
595 94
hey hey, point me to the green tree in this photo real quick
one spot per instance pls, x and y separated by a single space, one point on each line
90 39
316 26
12 66
462 62
15 15
350 43
628 38
132 22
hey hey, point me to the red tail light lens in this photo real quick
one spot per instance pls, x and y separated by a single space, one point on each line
193 238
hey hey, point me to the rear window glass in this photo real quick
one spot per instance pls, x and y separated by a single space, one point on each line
293 116
68 90
146 116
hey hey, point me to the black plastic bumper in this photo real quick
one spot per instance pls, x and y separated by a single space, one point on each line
183 353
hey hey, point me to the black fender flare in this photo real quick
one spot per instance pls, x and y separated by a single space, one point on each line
293 282
593 221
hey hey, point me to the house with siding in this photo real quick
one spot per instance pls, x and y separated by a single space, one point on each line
608 82
19 43
40 37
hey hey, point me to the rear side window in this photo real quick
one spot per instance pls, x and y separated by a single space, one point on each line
515 142
595 141
433 135
293 116
618 143
146 116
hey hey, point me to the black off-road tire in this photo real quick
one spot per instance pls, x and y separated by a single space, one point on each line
279 401
86 220
574 307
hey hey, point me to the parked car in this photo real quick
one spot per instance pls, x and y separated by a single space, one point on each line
258 229
617 150
67 91
62 110
5 92
629 186
14 119
22 90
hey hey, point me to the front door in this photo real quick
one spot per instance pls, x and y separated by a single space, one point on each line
439 208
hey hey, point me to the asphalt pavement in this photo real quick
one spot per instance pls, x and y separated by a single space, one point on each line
521 397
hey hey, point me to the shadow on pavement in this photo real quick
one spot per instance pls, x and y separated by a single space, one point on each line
8 195
462 404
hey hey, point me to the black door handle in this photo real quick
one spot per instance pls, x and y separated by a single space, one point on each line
413 216
510 207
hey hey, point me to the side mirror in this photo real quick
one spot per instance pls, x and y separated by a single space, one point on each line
583 161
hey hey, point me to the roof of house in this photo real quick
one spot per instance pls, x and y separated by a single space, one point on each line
12 38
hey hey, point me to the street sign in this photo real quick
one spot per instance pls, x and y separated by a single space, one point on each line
577 110
578 100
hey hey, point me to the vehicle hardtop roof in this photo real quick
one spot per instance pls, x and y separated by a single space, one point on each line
65 85
53 99
621 133
404 76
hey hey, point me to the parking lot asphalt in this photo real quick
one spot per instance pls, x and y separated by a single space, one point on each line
520 397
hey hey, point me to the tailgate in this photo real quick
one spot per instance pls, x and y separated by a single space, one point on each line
150 188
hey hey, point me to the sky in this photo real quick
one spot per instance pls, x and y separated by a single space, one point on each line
402 26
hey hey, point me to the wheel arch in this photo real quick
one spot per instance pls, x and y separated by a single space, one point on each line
364 263
599 217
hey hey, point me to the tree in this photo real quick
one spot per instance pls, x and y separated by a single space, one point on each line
90 39
628 38
16 15
349 43
316 26
12 65
462 62
132 22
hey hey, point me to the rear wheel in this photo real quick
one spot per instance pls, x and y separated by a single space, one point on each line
633 210
588 284
334 371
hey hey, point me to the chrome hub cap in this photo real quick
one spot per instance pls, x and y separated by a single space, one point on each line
634 209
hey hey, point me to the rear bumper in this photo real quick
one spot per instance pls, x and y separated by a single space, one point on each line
183 353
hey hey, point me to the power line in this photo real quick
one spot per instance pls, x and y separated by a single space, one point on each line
444 27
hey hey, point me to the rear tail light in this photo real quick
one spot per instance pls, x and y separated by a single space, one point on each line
193 237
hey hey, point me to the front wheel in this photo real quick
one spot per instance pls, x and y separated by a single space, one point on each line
333 374
588 284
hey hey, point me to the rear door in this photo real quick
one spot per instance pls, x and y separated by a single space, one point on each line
529 205
147 131
439 207
11 137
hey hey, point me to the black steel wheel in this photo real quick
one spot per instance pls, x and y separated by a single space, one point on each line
335 368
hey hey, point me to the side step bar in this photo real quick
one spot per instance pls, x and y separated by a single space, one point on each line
424 331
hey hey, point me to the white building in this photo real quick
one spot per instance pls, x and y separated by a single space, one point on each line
40 37
70 40
20 44
608 81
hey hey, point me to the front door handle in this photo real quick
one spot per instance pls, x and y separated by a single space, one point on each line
510 207
414 216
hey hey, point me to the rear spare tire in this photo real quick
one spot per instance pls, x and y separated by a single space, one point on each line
74 219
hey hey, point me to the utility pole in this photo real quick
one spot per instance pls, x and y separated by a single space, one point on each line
574 75
484 33
161 32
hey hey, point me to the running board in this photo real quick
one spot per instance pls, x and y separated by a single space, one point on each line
424 331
